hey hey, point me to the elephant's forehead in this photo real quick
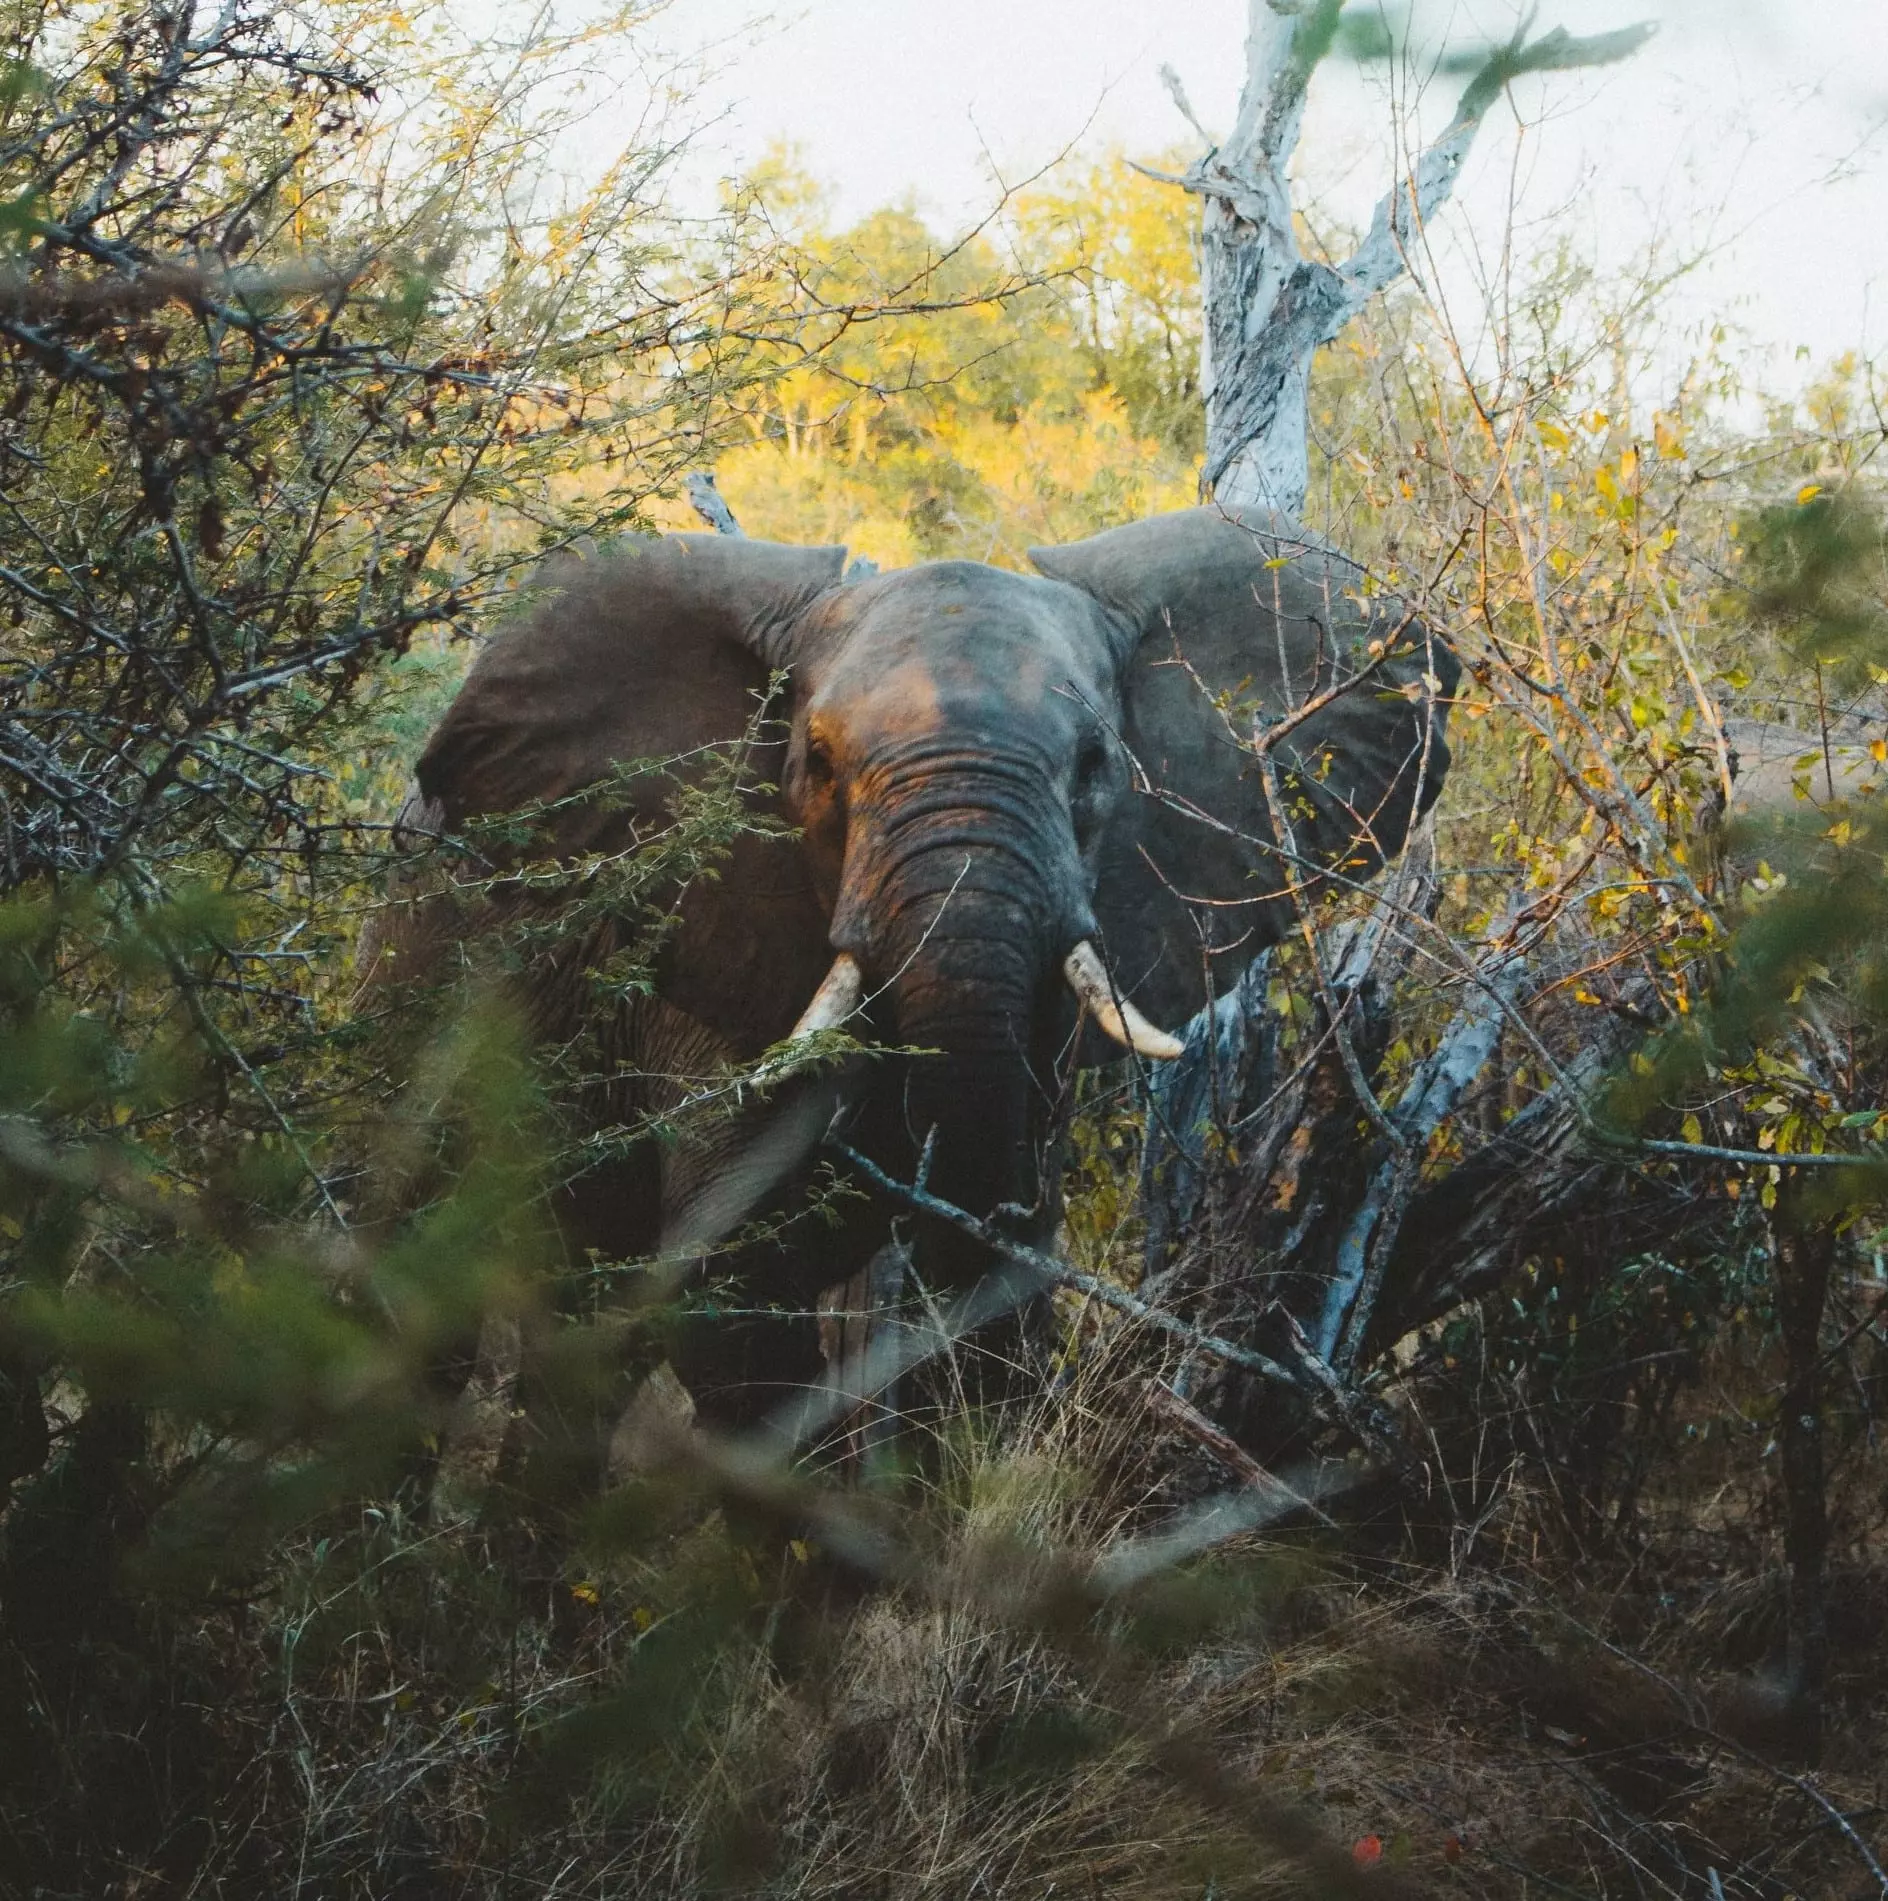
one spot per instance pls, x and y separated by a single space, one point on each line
933 639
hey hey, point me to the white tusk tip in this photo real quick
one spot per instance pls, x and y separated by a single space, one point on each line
1094 989
835 1000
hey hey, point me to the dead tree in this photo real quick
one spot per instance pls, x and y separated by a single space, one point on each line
1281 1193
1267 306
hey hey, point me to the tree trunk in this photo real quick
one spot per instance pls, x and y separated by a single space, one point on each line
1277 1195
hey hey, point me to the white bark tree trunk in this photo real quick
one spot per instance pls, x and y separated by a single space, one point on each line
1268 307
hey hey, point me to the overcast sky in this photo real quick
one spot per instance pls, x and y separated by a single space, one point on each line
1727 127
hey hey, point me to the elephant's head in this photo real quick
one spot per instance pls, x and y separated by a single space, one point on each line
1020 797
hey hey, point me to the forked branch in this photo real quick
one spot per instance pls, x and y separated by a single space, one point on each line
1268 308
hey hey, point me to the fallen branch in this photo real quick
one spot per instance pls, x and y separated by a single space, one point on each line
1194 1424
1310 1378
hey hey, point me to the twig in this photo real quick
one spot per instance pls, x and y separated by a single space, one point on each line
1162 1399
1177 92
1756 1158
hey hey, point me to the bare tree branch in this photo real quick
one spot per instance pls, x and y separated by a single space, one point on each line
1269 308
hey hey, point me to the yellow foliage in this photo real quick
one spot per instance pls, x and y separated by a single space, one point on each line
979 487
975 403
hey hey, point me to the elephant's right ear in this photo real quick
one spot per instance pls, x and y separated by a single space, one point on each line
650 651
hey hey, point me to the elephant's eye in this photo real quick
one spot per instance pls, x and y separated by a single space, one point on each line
819 765
1089 762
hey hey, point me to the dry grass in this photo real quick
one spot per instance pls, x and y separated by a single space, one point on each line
438 1712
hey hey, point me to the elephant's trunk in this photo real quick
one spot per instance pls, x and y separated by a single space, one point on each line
963 891
969 958
973 1097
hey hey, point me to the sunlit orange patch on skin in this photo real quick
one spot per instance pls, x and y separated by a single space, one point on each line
901 703
934 662
965 688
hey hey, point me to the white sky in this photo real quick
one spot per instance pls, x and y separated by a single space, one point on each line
1727 126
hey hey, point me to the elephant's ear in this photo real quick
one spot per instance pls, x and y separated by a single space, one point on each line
650 651
1235 625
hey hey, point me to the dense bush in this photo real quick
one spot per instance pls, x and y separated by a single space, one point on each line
301 371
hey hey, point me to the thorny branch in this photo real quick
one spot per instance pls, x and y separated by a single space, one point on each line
1307 1375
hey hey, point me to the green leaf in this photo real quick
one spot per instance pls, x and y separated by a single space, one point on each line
20 79
1367 35
1557 51
21 218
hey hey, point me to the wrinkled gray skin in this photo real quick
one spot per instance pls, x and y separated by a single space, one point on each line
985 768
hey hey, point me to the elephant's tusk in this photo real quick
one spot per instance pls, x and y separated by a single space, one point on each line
1094 989
834 1000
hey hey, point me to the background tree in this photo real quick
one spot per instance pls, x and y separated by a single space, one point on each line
1052 394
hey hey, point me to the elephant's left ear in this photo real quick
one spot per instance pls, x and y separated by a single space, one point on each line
1243 638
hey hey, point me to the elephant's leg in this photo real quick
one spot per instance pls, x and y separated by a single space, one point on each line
862 1328
1002 1363
743 1369
665 1199
994 1367
748 1348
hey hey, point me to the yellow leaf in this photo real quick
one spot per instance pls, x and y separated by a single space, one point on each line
1808 493
1878 751
1692 1129
586 1593
1667 438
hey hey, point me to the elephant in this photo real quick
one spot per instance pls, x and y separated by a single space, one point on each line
1015 823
